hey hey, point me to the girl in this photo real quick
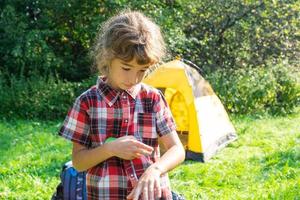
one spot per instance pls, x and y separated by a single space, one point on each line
131 114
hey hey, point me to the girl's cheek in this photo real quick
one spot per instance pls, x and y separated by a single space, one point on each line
141 76
123 75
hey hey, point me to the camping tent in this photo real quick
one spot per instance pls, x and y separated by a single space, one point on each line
202 122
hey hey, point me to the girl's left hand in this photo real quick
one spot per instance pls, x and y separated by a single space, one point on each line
148 185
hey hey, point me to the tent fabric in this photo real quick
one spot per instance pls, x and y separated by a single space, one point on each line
202 121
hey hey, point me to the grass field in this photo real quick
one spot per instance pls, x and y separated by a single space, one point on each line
264 163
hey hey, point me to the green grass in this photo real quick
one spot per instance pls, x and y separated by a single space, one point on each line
31 157
264 163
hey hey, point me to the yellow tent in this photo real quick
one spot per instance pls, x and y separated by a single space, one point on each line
202 122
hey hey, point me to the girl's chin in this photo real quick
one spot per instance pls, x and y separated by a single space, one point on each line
127 87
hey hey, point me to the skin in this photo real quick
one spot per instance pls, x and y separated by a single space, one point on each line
123 76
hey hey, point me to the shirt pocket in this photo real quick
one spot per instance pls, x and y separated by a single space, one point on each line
146 128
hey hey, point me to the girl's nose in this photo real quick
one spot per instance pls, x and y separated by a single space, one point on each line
134 80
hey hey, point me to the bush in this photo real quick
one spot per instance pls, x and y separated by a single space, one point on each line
235 34
274 89
39 97
56 36
40 38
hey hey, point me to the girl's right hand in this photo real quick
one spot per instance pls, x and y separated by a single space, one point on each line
129 148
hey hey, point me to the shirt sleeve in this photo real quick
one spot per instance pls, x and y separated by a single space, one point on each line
76 126
164 120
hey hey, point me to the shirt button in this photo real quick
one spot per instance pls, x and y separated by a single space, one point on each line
131 175
124 97
126 120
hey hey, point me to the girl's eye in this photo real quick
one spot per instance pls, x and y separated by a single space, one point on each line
125 69
145 70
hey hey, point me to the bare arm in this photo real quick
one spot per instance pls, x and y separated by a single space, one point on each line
150 180
84 158
174 155
126 147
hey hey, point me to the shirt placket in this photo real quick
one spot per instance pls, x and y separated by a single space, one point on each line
126 117
125 113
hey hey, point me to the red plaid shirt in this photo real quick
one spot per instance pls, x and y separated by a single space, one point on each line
103 112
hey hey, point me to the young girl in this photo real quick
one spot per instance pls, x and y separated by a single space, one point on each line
131 114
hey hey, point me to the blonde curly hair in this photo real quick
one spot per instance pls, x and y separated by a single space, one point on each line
126 36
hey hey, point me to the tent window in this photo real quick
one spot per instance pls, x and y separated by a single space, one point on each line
179 111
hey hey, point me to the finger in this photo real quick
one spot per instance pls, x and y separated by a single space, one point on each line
151 189
139 152
143 146
145 192
137 191
157 189
130 137
133 157
143 152
137 155
129 157
130 196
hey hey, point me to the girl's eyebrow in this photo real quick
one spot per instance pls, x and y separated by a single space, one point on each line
129 65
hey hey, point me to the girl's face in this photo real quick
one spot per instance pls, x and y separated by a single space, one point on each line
124 75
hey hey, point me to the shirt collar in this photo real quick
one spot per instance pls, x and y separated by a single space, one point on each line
133 92
111 95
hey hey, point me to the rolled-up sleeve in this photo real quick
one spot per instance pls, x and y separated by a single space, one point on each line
164 120
76 126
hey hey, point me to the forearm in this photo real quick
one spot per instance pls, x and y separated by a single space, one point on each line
126 147
84 159
171 158
150 180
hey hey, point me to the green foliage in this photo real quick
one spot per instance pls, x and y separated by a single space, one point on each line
24 51
43 37
274 88
40 38
39 97
56 36
235 34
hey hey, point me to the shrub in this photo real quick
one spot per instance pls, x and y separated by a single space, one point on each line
274 89
40 38
235 34
39 97
55 36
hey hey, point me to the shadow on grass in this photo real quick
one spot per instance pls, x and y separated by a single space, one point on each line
279 165
290 158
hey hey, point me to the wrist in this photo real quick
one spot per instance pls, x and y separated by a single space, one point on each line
158 168
109 149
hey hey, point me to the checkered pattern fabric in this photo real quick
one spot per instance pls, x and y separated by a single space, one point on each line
103 112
